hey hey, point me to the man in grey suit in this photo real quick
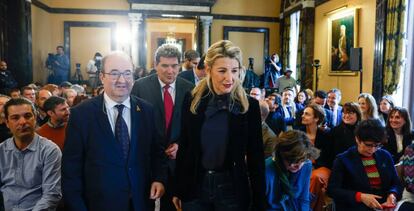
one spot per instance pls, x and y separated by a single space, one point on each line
165 91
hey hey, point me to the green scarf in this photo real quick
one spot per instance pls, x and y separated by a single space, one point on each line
283 175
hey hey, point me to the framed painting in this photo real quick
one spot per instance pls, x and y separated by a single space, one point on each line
342 36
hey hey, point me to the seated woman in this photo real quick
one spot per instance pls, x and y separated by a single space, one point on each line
288 172
301 100
342 136
368 106
364 176
313 116
406 170
385 106
399 132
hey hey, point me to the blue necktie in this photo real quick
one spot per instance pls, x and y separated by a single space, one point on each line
121 132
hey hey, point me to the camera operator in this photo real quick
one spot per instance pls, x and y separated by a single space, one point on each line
93 68
59 64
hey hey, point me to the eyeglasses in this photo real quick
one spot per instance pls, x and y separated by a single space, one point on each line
348 112
376 146
115 75
295 162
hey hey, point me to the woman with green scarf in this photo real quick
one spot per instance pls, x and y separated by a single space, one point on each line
288 172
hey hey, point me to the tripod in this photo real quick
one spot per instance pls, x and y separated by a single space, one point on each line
78 75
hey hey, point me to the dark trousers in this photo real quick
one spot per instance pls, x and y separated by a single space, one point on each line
406 206
166 203
217 193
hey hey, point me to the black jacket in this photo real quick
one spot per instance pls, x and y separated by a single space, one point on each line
342 138
244 156
391 145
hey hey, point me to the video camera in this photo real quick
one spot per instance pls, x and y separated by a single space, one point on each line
98 63
51 58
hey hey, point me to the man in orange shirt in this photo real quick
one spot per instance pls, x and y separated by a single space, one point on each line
58 111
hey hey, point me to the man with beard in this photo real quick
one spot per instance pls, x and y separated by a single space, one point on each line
41 97
58 111
29 163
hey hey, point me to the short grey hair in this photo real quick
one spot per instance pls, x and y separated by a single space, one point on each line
337 92
167 51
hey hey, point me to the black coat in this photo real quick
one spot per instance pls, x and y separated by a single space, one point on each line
391 145
188 75
244 155
342 138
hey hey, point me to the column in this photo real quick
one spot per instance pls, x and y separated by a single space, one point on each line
206 23
135 20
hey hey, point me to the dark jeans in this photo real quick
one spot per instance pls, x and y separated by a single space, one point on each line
406 206
217 193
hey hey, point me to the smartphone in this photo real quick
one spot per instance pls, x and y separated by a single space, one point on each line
386 206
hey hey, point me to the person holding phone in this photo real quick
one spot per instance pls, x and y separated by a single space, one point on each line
364 176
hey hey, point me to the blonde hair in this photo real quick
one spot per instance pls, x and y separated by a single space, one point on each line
372 111
220 49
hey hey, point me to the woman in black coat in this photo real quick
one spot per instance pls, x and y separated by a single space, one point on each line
220 162
399 132
342 136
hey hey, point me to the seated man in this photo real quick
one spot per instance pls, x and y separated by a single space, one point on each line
364 176
275 118
58 111
29 163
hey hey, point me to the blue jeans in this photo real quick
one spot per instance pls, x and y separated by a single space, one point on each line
217 193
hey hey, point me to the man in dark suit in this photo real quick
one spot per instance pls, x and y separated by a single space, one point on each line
191 59
334 97
194 76
165 91
111 160
320 99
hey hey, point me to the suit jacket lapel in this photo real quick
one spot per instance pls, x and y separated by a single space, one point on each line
103 122
136 129
156 88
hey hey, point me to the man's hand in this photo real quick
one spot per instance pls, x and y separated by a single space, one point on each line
171 151
157 190
371 200
177 203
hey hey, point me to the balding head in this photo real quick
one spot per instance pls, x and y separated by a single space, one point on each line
117 76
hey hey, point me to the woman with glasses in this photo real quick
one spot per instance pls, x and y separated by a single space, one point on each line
342 136
399 132
220 162
288 172
364 176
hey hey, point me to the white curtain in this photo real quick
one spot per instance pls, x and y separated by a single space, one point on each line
408 86
294 40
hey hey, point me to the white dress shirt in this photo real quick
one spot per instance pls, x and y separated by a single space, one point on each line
171 90
112 112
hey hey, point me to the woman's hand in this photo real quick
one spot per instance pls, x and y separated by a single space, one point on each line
371 200
390 203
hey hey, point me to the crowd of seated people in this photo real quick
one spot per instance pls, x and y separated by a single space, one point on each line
264 149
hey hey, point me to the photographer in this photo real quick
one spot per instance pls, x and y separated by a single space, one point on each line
59 65
93 68
272 71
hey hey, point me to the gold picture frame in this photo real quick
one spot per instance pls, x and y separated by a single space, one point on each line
342 36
